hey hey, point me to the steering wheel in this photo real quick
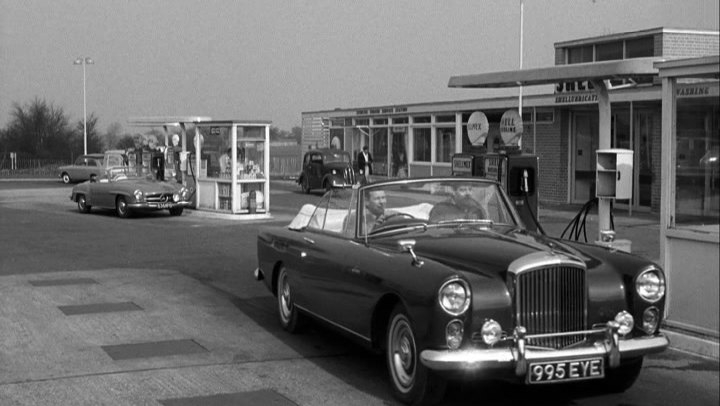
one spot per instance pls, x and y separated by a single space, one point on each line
396 215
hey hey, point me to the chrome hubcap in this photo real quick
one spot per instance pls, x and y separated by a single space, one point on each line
402 352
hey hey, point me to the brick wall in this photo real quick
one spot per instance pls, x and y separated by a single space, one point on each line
551 149
688 45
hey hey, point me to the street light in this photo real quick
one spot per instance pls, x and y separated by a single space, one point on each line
84 61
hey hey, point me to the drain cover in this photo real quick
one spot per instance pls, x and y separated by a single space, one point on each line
73 310
259 397
152 349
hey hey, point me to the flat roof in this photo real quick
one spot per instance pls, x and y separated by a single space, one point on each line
152 121
620 69
234 122
702 67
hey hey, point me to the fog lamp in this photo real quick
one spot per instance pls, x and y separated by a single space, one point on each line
491 332
651 320
626 322
454 334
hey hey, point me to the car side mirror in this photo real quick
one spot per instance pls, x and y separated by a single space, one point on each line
409 246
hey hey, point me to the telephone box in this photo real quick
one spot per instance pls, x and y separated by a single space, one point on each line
516 172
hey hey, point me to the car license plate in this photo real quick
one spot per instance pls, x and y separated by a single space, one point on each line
164 205
575 370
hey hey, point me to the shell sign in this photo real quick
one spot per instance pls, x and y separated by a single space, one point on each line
511 127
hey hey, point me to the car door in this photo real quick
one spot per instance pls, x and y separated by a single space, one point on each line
77 170
335 281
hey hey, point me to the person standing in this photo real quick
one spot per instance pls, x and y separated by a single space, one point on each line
365 164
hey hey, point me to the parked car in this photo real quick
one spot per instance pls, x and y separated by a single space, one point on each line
89 165
449 283
126 193
326 168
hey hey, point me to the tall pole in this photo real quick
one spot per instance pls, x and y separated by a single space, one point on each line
84 61
84 115
520 95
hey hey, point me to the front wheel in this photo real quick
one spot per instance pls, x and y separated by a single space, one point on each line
176 211
306 185
620 379
290 318
121 207
82 205
412 382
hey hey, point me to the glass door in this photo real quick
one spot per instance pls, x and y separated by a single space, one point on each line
379 151
399 162
585 143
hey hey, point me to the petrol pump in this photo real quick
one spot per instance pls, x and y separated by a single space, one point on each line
517 172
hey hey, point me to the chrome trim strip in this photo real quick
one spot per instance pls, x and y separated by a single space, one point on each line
506 358
334 324
543 259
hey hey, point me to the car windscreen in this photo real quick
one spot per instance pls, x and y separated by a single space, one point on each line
336 157
432 202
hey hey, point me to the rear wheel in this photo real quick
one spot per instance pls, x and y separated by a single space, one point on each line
66 178
176 211
290 318
82 205
412 382
327 186
121 207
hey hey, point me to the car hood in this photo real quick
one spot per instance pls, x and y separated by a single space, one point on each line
487 252
336 165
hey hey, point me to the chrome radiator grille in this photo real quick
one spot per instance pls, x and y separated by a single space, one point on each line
159 197
349 176
552 300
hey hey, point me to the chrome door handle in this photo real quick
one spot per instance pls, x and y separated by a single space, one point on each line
309 240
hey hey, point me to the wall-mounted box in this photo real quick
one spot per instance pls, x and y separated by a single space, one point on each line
614 173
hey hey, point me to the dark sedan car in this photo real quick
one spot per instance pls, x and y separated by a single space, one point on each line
442 276
125 193
326 168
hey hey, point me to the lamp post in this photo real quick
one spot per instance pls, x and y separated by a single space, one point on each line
84 61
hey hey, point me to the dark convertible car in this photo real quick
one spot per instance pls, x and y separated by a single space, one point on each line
441 275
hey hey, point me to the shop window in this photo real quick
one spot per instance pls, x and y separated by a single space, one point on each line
362 121
450 118
697 170
421 145
380 121
400 120
421 119
445 145
338 122
609 51
348 122
580 54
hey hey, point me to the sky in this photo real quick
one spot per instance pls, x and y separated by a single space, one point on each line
274 59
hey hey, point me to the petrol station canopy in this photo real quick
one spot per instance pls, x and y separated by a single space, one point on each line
591 71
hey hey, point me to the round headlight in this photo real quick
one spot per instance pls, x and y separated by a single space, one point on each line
176 197
454 297
334 171
138 195
650 285
626 322
491 332
651 320
454 334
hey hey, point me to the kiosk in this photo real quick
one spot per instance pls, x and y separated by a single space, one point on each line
230 163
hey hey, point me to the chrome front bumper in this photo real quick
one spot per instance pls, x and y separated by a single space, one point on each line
518 356
158 205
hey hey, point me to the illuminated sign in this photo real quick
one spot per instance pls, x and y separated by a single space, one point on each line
477 128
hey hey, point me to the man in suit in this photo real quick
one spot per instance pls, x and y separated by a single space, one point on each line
365 164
